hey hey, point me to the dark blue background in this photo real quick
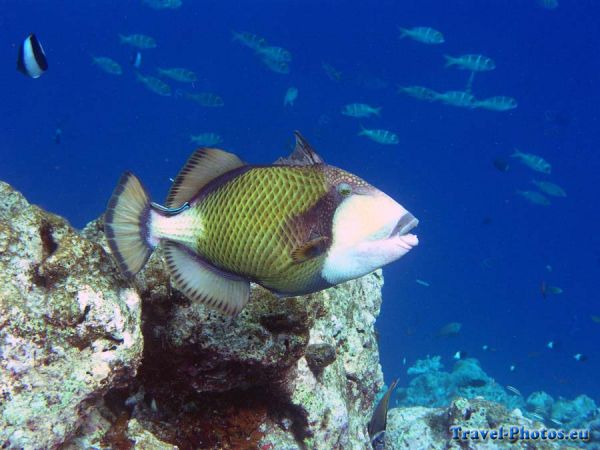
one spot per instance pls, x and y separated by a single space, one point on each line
441 171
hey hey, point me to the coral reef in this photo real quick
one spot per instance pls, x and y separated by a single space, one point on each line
434 387
429 364
70 327
575 413
286 373
419 428
84 365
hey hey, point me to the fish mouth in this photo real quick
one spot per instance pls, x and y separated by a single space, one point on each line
401 231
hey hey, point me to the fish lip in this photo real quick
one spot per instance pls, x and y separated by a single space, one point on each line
406 223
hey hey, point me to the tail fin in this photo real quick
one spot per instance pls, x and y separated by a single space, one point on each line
362 131
377 111
123 39
126 225
403 32
450 61
516 153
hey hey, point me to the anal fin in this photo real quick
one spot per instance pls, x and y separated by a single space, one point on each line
203 283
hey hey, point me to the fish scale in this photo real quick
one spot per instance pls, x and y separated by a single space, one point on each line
242 216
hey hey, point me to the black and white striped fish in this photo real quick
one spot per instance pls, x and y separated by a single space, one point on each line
31 60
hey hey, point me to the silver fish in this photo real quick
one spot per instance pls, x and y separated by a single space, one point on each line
532 161
475 63
514 390
499 103
290 96
450 329
162 4
331 72
207 99
425 35
380 136
275 53
550 188
534 197
281 67
249 40
419 92
548 4
154 84
138 40
457 98
178 74
360 110
108 65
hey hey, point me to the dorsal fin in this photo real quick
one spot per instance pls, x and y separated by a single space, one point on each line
203 166
303 154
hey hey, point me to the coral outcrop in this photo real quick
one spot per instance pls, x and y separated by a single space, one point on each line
70 327
434 387
91 360
286 373
420 428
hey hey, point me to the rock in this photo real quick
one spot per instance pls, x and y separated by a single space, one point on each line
285 373
144 440
540 403
575 413
319 356
429 364
70 326
254 372
420 428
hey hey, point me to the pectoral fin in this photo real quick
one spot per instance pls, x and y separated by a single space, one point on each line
311 249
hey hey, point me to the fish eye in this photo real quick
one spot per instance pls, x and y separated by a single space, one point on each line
344 189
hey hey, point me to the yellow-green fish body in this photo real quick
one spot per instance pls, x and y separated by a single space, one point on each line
252 225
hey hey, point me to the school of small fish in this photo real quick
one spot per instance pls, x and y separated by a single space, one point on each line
277 59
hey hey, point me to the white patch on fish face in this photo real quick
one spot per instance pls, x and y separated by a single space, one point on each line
365 236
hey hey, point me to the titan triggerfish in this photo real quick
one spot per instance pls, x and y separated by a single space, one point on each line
295 227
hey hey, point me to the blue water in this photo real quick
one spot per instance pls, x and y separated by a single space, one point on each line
484 250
